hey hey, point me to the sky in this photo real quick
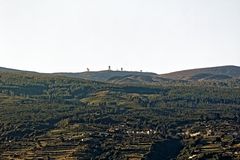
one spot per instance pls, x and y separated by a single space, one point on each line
151 35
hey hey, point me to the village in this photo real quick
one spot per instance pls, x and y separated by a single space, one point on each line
213 139
69 140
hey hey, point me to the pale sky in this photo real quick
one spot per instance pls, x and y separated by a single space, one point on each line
150 35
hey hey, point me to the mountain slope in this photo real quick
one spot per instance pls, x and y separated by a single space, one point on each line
212 73
2 69
10 70
131 77
138 79
105 75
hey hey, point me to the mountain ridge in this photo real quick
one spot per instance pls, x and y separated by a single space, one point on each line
220 72
132 77
104 75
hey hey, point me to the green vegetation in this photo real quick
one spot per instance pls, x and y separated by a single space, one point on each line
55 117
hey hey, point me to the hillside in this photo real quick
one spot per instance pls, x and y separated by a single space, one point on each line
138 79
212 73
2 69
105 75
130 77
46 116
10 70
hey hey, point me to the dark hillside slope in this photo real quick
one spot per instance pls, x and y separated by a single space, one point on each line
3 69
212 73
17 71
44 116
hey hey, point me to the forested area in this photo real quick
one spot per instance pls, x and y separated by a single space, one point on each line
52 117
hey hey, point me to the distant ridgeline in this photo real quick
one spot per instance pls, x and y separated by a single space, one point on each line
173 88
209 74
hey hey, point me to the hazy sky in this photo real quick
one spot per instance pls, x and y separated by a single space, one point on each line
152 35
